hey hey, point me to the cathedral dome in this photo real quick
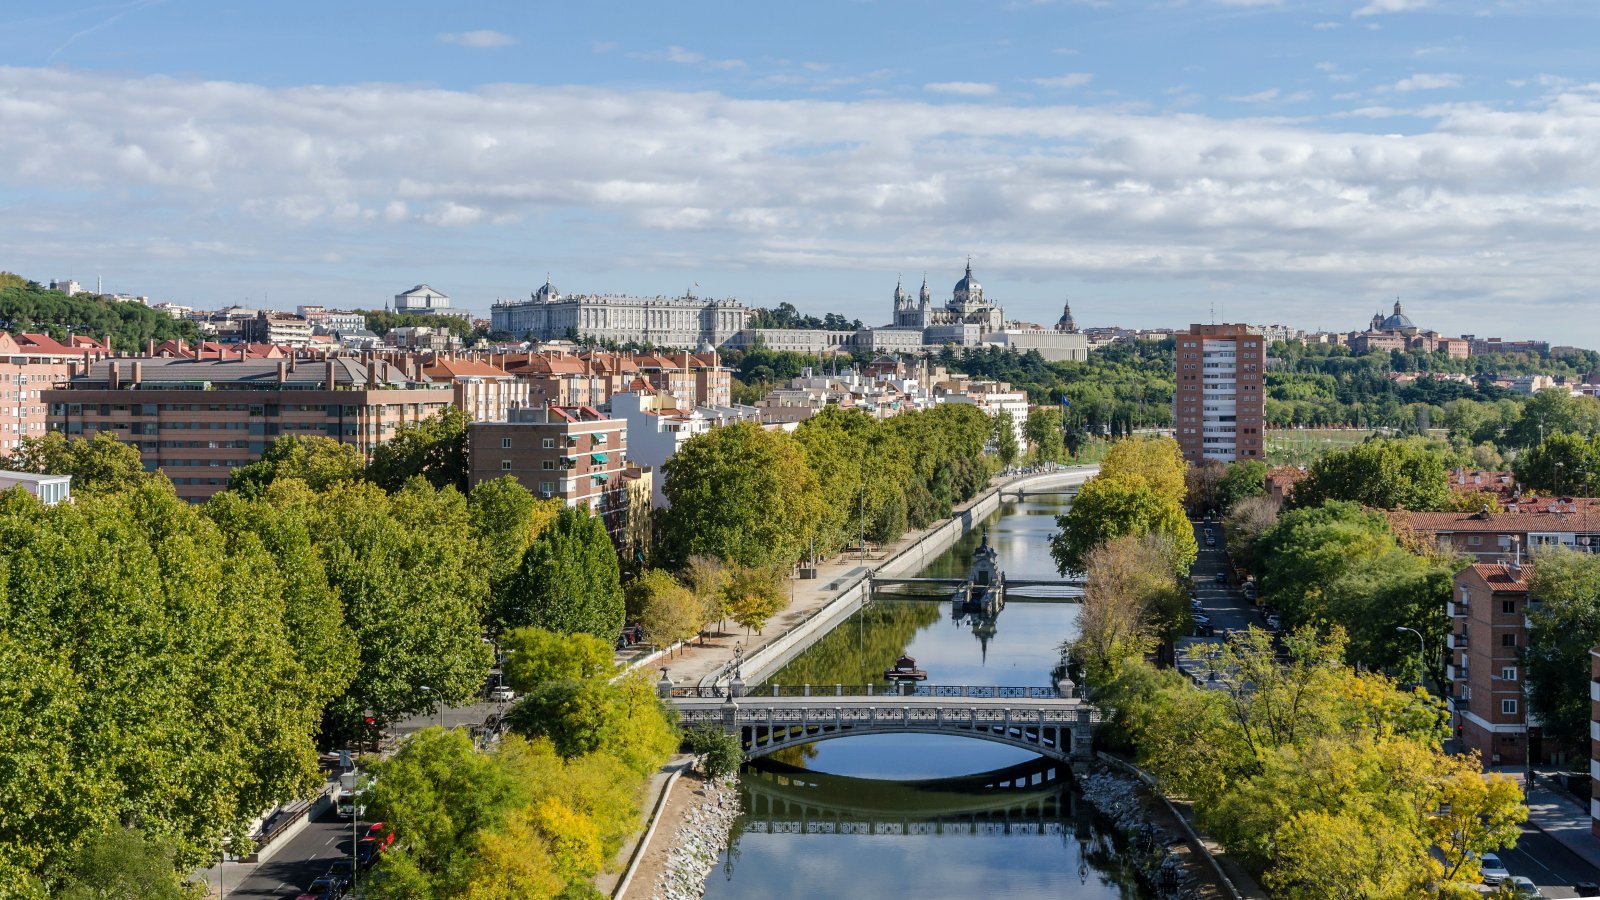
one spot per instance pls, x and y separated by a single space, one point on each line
1397 322
547 291
968 284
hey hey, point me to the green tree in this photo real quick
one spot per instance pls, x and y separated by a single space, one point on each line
668 611
122 864
27 307
1385 474
318 461
1109 507
741 494
1042 429
435 448
718 751
569 580
506 518
535 656
574 716
98 465
1566 586
1243 479
1564 464
754 595
1309 549
1005 439
1551 411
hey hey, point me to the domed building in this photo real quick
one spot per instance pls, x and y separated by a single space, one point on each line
1396 331
1398 323
966 309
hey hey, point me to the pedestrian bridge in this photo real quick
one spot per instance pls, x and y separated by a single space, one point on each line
1035 719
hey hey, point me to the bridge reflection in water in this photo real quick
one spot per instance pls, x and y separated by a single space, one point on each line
1029 799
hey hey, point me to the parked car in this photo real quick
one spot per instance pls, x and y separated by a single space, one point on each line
1523 886
1222 577
502 694
1493 870
325 888
1274 623
343 871
1249 590
1195 605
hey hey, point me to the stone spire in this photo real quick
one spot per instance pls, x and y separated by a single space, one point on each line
1066 324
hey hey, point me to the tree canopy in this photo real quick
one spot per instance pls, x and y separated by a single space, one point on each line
1386 474
435 448
569 580
25 306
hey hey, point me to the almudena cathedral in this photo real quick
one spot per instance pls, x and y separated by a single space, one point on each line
967 319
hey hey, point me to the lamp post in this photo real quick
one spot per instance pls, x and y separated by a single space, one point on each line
1422 654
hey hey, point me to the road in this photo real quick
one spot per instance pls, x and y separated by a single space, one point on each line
300 862
1537 856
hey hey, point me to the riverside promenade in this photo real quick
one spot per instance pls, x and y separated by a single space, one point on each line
705 657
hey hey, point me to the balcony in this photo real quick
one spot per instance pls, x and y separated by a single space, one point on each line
1459 610
1457 641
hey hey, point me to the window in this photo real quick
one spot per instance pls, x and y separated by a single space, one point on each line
1474 540
505 465
1508 639
505 443
549 443
1509 607
547 464
1508 673
1508 707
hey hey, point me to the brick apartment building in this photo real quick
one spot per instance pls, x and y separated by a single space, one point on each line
592 378
31 364
485 393
196 420
1220 398
1525 525
568 452
1489 628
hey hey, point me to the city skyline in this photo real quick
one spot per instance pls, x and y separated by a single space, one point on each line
1111 153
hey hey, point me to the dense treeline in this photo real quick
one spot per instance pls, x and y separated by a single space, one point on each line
785 315
27 306
381 321
766 498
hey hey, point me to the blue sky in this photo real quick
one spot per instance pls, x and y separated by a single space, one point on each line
1300 162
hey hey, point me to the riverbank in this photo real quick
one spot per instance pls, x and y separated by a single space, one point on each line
1159 843
691 831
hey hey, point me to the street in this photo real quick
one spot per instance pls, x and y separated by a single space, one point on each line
305 858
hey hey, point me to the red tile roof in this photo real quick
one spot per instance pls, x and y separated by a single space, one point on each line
463 368
1504 578
1541 514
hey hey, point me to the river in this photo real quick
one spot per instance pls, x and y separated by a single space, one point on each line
926 816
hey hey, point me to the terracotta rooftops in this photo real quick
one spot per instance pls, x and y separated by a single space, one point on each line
1504 578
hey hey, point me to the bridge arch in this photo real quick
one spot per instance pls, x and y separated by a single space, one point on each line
757 745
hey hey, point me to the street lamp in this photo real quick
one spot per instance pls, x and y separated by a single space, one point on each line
1422 654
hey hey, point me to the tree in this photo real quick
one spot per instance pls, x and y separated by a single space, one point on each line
97 465
1111 506
1243 479
435 448
1042 429
1564 464
318 461
152 679
754 595
668 611
1131 599
569 580
1005 439
707 577
741 494
535 656
506 518
1308 549
719 752
1385 474
118 863
1550 411
1245 523
573 715
1200 486
1566 623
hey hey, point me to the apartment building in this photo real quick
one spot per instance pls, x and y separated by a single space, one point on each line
31 364
1488 618
277 328
573 453
50 489
1594 741
1220 398
484 392
1526 524
197 419
590 379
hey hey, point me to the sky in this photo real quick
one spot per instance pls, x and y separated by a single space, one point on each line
1157 162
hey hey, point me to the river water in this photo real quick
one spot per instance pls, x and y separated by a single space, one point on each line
928 816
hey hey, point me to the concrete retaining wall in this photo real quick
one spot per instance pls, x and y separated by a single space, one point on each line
907 562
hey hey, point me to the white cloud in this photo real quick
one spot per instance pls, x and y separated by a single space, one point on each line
686 57
482 39
229 175
1065 82
1266 96
1426 82
1326 26
1380 7
962 88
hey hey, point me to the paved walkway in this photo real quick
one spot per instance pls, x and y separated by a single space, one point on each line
694 662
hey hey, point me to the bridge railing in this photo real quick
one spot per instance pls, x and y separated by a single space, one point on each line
975 691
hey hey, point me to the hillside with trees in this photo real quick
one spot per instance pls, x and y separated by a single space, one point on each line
27 306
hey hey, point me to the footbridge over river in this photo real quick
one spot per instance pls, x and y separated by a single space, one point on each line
1036 719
